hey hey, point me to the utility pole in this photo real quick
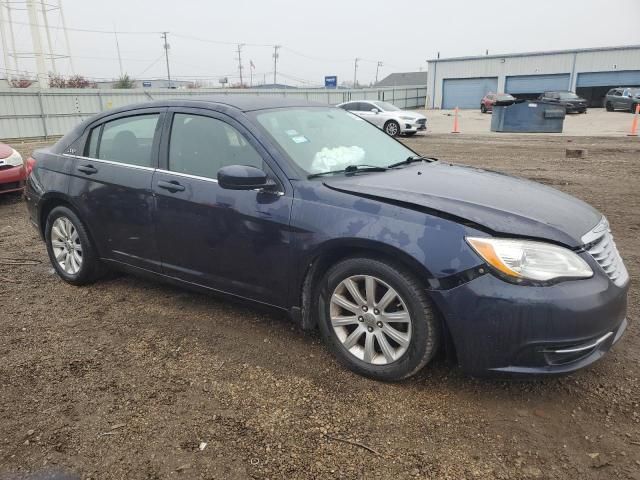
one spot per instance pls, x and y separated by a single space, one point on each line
240 45
276 55
377 68
115 34
166 56
355 72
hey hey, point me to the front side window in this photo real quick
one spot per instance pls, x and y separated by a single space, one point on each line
386 107
128 140
326 139
203 145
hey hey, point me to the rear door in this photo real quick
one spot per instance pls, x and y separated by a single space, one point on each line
111 186
235 241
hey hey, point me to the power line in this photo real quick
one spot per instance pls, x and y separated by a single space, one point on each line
219 42
84 30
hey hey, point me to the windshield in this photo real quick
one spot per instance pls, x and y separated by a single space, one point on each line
387 107
567 95
320 140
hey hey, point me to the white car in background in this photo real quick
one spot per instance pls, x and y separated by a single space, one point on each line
388 117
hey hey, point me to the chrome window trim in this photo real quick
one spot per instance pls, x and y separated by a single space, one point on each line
215 180
109 162
187 175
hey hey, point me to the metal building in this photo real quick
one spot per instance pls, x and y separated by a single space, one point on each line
590 72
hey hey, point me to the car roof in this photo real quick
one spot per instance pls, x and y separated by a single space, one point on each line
242 102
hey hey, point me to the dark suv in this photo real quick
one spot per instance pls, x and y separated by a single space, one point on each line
569 100
311 210
622 99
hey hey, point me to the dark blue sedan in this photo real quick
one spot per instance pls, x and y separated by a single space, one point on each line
312 210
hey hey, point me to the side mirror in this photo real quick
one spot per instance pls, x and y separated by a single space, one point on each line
242 177
375 110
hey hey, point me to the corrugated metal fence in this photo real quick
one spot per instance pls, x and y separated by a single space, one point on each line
26 113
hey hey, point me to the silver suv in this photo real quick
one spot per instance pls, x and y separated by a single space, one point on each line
622 98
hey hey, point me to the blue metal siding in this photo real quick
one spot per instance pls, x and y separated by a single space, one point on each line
537 83
467 92
627 78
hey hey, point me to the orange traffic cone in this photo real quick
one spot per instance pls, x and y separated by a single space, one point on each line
456 127
634 123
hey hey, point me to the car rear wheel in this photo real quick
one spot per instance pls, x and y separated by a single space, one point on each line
633 107
70 250
392 128
376 318
483 109
609 107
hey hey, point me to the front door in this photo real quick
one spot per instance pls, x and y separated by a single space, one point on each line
235 241
111 186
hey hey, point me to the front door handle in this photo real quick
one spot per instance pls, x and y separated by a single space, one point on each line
173 186
88 169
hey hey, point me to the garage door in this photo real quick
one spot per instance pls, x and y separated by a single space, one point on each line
467 92
627 78
536 84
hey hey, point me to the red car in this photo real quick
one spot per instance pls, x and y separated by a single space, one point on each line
12 170
486 104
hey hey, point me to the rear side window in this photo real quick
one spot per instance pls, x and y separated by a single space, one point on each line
127 140
203 145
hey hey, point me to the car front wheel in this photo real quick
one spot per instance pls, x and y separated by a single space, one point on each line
376 318
483 109
70 250
392 128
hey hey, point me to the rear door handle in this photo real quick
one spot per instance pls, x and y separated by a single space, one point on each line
173 186
88 169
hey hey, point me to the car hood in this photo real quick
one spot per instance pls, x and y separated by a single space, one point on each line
405 113
502 204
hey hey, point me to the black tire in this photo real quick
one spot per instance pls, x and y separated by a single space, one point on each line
609 107
392 128
633 107
91 269
425 326
483 109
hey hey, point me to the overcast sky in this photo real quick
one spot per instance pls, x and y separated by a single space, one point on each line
323 37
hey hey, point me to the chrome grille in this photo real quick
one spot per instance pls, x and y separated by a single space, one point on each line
599 243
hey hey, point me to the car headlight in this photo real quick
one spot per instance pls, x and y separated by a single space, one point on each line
530 260
15 159
407 118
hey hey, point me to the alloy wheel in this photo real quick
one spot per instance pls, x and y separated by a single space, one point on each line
66 245
370 319
392 129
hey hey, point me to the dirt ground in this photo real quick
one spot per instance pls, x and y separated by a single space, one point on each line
130 379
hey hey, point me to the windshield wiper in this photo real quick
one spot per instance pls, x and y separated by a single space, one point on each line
351 169
408 161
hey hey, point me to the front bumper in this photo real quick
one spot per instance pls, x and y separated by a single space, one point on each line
408 126
12 179
501 328
573 108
